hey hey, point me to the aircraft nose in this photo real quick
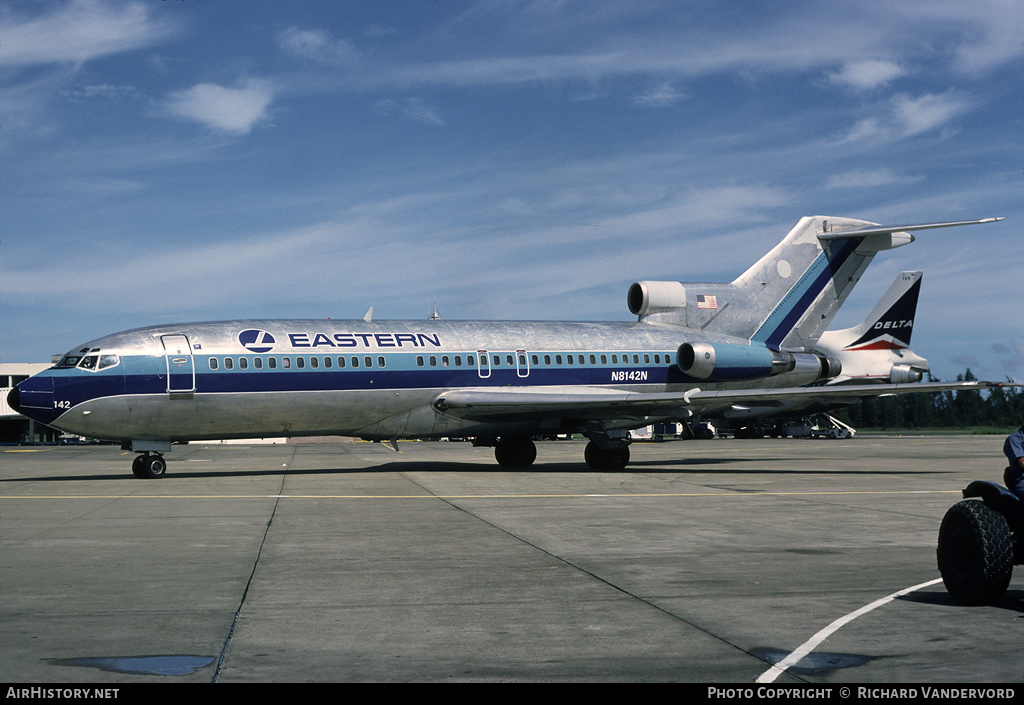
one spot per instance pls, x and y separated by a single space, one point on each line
14 400
34 398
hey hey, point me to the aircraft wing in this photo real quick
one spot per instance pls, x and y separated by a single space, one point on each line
597 403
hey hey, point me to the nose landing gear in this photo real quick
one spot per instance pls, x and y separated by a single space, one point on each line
150 465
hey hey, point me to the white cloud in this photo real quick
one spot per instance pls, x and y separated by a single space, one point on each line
80 30
864 75
992 36
413 108
928 112
660 97
103 90
868 178
234 110
906 116
317 45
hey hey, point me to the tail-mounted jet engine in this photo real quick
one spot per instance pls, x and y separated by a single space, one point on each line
645 298
905 374
726 362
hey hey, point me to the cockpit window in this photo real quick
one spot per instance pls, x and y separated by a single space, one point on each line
93 361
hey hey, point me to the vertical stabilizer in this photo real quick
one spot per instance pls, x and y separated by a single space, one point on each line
891 322
878 349
788 298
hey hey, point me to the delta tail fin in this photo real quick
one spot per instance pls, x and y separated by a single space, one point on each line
878 349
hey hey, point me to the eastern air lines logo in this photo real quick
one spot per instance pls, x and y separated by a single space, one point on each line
257 341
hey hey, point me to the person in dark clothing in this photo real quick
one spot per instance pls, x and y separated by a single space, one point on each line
1013 448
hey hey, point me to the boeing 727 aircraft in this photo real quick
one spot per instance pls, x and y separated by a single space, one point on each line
694 348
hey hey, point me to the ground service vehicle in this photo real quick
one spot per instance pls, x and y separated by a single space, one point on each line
979 543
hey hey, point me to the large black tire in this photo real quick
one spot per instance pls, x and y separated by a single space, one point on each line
515 452
598 458
975 553
149 467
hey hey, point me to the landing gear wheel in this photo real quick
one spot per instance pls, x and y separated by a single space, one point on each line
975 553
149 467
599 458
515 452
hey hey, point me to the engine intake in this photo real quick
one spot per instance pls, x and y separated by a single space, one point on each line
655 297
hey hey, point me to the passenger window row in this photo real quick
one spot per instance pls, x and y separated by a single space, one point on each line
300 363
549 359
497 360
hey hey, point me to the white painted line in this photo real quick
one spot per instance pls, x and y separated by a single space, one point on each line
808 646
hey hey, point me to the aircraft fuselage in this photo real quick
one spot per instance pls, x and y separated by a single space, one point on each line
265 378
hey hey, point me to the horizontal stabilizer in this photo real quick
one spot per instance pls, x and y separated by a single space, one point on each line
889 229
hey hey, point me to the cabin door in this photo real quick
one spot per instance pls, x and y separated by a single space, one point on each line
181 369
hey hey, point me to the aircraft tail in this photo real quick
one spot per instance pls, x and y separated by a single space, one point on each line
789 297
878 349
891 322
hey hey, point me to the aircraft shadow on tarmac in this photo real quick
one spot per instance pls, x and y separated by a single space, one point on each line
178 471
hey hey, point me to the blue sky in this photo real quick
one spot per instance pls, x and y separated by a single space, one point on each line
176 160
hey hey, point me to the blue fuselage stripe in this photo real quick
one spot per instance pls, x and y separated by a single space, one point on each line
148 375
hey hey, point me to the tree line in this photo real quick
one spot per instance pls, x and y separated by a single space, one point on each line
1000 409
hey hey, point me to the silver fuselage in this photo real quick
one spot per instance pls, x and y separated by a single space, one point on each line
278 378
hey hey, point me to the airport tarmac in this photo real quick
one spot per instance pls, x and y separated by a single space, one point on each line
704 561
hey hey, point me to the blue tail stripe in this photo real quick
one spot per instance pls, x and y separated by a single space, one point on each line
796 302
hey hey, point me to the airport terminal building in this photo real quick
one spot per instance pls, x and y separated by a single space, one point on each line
15 428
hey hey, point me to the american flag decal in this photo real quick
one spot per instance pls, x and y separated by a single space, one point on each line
707 301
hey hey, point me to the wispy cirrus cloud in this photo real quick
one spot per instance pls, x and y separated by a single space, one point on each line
661 96
81 30
869 178
412 108
906 116
927 112
317 45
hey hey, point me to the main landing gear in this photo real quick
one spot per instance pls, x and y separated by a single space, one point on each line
614 458
149 466
520 452
515 452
